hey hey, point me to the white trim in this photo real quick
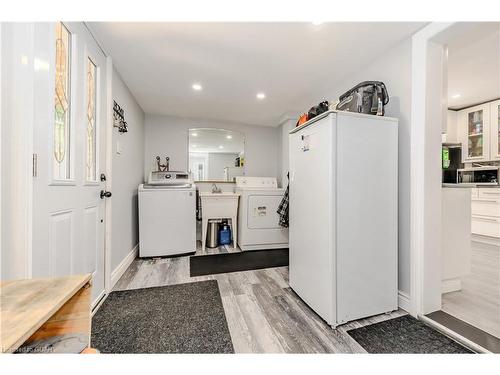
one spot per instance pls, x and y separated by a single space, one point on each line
404 301
124 264
1 140
108 285
98 305
17 182
453 335
417 165
29 176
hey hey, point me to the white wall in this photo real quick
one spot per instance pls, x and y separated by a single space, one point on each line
168 136
16 120
284 129
128 172
394 69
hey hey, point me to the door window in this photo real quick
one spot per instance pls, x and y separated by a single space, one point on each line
90 170
62 105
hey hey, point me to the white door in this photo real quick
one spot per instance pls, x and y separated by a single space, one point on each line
69 142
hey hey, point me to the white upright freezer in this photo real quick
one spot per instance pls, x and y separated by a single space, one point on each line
344 215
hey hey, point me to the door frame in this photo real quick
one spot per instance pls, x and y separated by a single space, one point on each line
109 167
17 178
424 264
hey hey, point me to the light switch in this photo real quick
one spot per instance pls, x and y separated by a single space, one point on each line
118 148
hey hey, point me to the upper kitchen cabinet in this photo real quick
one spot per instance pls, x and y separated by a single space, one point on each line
495 130
474 127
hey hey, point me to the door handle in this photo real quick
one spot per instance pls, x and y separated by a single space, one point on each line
105 194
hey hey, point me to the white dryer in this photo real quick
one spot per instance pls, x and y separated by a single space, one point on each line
258 220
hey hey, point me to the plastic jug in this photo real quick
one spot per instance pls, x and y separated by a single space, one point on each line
224 234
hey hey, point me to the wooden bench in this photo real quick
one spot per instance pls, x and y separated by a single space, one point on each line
50 315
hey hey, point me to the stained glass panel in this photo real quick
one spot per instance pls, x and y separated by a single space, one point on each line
62 107
91 120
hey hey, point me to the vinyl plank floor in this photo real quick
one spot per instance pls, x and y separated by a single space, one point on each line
478 303
263 313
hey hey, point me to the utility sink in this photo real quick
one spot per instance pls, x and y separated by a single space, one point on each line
223 205
218 195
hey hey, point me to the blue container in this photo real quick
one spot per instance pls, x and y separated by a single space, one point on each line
224 235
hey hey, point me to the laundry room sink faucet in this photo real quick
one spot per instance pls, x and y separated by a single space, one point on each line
216 189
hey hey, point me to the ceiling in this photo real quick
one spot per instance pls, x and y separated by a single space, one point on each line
290 62
474 66
216 141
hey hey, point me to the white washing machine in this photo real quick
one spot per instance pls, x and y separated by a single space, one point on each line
167 215
258 221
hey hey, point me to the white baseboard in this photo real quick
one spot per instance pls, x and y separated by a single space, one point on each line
124 264
404 301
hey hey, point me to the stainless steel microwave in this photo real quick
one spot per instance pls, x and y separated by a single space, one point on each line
487 175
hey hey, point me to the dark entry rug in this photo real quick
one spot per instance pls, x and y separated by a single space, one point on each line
183 318
404 335
200 265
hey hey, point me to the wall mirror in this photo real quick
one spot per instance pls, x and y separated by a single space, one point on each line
216 154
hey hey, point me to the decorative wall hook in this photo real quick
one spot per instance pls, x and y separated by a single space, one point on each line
119 118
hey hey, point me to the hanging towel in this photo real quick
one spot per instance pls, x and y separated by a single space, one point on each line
283 209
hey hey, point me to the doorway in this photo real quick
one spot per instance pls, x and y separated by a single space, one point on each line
455 272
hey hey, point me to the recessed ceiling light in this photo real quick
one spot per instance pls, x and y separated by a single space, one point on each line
317 23
196 87
221 147
194 134
229 136
456 96
261 95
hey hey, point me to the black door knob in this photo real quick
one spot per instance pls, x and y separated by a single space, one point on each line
105 194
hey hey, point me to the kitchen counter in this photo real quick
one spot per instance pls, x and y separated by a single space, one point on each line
459 186
467 185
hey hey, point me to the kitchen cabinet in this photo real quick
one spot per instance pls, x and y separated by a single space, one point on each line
450 128
485 211
495 130
479 132
474 128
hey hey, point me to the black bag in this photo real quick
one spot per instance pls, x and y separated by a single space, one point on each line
368 97
317 110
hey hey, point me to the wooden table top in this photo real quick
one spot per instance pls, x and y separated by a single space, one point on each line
25 305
